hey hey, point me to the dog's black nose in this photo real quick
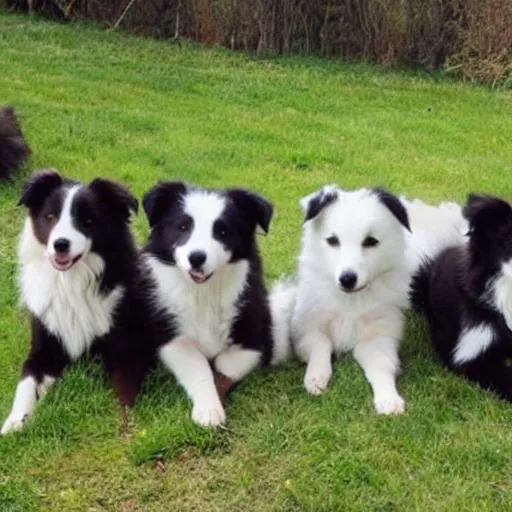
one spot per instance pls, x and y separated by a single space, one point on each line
61 245
348 280
197 258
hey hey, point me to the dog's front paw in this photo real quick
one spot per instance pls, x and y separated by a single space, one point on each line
13 423
389 404
208 414
316 380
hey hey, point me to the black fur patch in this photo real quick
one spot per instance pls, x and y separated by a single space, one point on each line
162 198
256 209
486 215
394 205
37 189
318 202
121 202
164 209
490 226
13 146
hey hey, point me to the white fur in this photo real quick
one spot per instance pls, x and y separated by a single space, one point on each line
205 314
23 406
433 229
282 303
204 207
368 322
472 342
236 362
27 393
68 303
192 370
324 320
79 244
501 293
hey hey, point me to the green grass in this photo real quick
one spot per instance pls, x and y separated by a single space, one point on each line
96 103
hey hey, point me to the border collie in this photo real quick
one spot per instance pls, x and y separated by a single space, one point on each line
354 269
466 296
13 147
351 288
209 294
79 274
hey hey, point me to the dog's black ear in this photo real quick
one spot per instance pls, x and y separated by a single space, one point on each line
160 198
314 203
253 206
486 213
40 185
118 198
394 205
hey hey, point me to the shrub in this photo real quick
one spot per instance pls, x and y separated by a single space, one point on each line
470 37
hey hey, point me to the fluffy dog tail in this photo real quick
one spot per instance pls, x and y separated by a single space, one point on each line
13 146
433 229
282 301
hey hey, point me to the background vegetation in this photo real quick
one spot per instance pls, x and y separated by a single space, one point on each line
470 38
94 103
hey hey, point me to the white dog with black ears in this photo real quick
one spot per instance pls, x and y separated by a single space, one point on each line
354 269
352 287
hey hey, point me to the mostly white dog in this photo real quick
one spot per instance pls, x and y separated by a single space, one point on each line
466 295
79 279
210 302
354 269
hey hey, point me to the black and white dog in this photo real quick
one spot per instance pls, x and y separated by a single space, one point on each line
79 278
466 296
209 293
13 146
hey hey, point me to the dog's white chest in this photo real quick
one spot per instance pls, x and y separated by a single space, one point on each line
207 320
69 303
343 333
205 313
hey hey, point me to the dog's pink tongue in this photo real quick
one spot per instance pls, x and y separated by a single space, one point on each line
60 262
197 276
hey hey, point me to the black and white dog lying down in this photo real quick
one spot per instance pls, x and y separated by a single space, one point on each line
466 296
13 146
79 279
208 291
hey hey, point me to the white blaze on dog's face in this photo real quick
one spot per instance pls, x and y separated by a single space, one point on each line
356 236
202 252
70 220
201 231
59 218
66 244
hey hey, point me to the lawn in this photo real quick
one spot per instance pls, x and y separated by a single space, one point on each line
106 104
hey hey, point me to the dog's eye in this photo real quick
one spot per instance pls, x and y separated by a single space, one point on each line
184 226
370 241
221 230
333 241
50 217
88 221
